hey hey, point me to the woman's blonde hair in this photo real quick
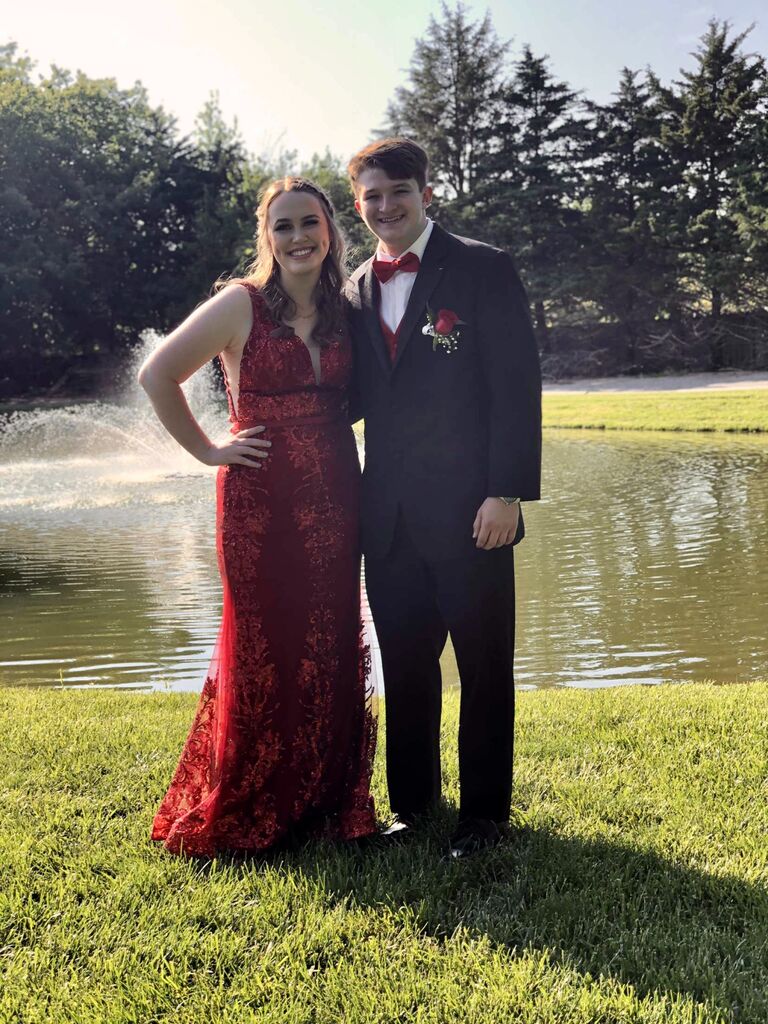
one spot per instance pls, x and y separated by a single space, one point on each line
264 271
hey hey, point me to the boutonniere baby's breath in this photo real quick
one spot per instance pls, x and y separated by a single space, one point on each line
443 327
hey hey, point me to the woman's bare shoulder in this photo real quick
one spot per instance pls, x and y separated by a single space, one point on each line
236 295
234 309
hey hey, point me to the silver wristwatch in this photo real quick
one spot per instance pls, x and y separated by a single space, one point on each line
510 501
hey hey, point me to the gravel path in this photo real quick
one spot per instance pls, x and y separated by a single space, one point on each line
726 380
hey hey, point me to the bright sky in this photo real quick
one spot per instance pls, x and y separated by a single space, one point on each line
307 74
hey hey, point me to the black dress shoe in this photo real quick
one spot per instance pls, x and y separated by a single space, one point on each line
474 835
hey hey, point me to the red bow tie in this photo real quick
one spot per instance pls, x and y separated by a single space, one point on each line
384 269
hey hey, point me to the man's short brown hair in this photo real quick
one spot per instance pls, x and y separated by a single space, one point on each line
399 158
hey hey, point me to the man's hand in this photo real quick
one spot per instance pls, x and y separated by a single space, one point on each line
495 523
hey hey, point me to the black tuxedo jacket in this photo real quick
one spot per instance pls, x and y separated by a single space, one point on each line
445 430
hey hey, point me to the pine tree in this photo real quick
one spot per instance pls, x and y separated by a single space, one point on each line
224 218
530 191
750 206
449 105
630 270
711 120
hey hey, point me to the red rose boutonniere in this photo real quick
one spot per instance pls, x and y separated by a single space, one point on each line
443 327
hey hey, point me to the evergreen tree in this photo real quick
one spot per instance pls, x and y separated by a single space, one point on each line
630 270
750 208
224 217
529 197
449 105
711 129
213 135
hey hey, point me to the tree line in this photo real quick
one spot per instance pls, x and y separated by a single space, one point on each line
112 223
640 226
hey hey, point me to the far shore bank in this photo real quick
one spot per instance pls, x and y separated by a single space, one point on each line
723 380
741 410
731 401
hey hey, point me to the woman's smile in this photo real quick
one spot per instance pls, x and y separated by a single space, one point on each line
298 232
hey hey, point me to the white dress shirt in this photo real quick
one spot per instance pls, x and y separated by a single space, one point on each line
397 290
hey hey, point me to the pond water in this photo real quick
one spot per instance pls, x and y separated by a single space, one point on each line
645 561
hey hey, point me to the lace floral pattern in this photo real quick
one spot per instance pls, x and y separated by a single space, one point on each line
284 732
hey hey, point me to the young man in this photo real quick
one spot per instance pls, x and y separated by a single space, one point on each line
447 379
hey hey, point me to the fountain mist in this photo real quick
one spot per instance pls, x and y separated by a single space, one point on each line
95 452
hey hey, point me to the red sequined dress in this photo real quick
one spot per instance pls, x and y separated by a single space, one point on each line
283 736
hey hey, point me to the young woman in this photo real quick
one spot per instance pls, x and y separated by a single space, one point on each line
283 737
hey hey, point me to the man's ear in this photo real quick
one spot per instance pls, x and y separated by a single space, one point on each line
426 196
357 206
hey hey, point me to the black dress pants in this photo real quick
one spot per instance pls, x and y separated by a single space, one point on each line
416 603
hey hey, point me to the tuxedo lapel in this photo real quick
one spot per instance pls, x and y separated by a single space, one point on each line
430 272
368 302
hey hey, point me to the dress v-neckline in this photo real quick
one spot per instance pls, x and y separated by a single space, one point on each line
285 331
317 367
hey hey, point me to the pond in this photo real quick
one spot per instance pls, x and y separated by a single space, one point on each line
645 562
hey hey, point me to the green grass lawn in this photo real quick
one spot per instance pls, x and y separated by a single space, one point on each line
635 891
659 410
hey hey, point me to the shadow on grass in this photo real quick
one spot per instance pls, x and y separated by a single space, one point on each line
602 908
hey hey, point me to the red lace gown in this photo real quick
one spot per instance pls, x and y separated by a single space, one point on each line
283 736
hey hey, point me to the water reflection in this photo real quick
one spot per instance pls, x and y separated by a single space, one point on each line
107 566
641 564
130 602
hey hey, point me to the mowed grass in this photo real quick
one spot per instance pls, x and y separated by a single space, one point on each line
733 411
634 892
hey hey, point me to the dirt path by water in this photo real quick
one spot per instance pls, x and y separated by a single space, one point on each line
726 380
